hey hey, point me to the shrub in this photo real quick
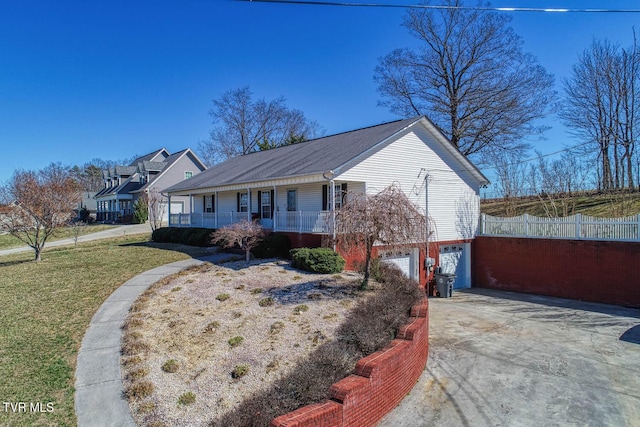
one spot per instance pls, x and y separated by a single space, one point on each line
266 302
223 297
300 309
170 366
187 398
140 389
272 246
140 211
276 327
317 260
235 341
186 236
240 371
212 326
256 291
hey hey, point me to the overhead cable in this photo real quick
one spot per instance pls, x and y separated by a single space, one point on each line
446 7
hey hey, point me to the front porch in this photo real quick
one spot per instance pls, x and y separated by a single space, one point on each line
316 222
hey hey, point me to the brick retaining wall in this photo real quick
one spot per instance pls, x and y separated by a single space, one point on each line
597 271
379 382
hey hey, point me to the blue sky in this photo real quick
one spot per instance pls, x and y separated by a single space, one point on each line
86 79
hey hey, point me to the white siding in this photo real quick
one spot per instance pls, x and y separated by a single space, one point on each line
453 193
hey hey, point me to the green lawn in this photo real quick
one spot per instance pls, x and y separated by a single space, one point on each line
45 309
7 241
598 205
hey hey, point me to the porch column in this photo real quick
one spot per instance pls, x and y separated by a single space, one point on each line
248 205
215 209
169 209
332 193
274 205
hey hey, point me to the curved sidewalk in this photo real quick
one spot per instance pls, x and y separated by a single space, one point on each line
99 396
123 230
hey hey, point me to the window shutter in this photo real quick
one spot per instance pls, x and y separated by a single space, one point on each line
343 196
260 203
213 203
324 197
237 202
204 203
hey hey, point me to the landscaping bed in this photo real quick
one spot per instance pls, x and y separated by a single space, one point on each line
209 346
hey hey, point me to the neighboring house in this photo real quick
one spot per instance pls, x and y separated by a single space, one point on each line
123 185
293 189
89 202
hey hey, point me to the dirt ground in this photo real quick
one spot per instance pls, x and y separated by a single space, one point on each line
280 313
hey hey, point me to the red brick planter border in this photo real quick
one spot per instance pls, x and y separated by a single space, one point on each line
379 382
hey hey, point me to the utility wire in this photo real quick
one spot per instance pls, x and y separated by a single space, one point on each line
444 7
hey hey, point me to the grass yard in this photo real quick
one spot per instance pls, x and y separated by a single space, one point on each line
45 309
598 205
7 241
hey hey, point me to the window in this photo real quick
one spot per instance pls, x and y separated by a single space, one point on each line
188 174
292 200
243 205
265 202
208 204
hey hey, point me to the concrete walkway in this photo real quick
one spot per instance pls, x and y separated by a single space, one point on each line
99 397
123 230
507 359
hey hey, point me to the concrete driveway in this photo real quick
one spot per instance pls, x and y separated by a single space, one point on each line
507 359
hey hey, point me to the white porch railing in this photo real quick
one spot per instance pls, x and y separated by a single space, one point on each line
577 226
297 221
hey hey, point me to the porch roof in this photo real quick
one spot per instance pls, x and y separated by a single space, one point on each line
307 158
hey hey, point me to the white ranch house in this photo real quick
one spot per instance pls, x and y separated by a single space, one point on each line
295 189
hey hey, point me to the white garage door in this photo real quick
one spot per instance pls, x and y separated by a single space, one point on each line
176 208
456 259
406 261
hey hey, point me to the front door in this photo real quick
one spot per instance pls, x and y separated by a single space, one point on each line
266 217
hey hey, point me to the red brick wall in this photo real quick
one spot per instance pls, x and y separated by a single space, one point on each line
597 271
379 382
304 240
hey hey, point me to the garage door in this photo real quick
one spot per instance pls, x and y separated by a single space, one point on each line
176 208
456 259
405 260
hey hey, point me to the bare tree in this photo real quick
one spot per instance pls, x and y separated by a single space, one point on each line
39 202
557 182
388 218
156 208
243 125
511 173
243 234
602 107
469 75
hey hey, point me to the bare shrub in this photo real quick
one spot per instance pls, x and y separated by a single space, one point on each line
244 234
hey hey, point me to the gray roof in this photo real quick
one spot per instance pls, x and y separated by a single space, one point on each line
152 166
148 157
306 158
125 170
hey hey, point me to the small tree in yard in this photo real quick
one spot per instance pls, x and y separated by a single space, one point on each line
156 208
388 218
141 210
244 234
38 202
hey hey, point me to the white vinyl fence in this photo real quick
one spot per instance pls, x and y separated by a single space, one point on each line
577 226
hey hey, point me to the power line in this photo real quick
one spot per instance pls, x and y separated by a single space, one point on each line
445 7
